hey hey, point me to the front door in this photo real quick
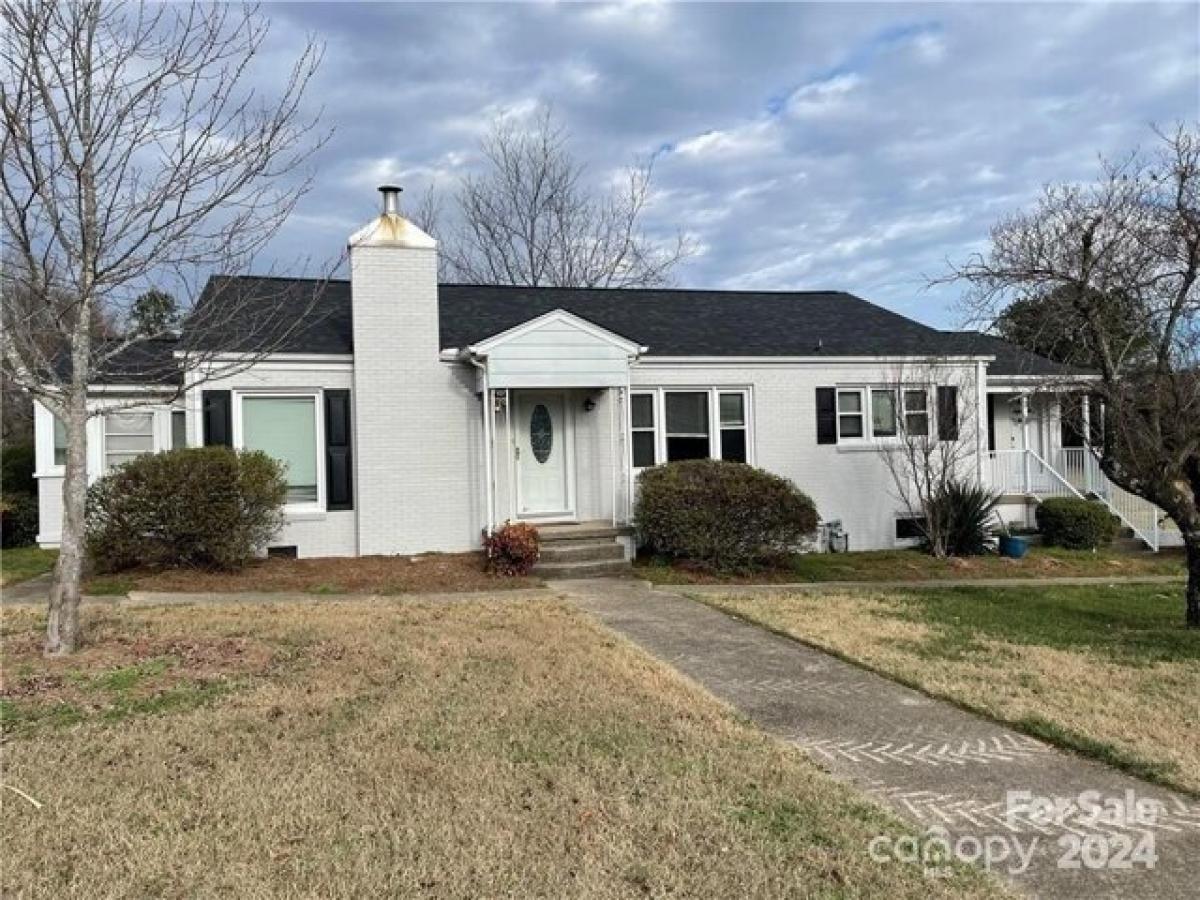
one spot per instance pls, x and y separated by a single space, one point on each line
544 447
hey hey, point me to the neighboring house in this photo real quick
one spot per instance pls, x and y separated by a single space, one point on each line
413 415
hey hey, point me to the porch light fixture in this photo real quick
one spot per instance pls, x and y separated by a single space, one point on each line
589 404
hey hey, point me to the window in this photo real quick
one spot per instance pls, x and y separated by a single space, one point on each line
178 429
286 429
883 413
850 414
916 412
60 442
687 425
733 426
642 414
910 528
127 434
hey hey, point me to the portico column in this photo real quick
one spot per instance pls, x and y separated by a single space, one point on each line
1025 440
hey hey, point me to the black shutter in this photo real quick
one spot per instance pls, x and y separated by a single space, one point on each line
217 417
947 413
339 476
826 415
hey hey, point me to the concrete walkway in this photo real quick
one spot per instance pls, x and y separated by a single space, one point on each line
948 771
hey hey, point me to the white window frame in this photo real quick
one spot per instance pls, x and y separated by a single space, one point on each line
157 444
864 414
714 418
652 429
866 394
317 396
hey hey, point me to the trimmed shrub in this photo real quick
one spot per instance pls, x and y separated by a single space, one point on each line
16 470
209 507
18 520
962 512
512 549
724 515
1076 524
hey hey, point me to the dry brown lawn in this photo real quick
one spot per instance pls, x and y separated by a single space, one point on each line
1109 672
329 575
404 748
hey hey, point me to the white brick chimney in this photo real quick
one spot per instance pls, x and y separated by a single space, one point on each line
417 418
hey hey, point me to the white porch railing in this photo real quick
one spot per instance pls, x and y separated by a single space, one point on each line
1076 472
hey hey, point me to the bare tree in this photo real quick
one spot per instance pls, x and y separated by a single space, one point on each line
530 218
135 155
1131 237
934 446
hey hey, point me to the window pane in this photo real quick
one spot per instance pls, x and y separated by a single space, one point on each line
178 429
733 409
733 444
883 413
60 442
643 411
128 443
687 413
679 448
917 424
643 449
119 459
914 401
129 423
850 426
850 402
286 429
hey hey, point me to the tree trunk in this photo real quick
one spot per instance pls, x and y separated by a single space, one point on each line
1191 541
62 626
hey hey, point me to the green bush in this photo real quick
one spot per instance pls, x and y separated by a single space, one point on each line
1075 524
208 507
18 520
961 512
16 470
723 515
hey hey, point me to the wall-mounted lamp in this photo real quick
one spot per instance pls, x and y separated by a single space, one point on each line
589 404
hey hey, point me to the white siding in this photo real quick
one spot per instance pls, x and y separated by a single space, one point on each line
323 533
554 354
847 482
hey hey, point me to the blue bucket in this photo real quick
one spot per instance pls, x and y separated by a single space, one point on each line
1013 547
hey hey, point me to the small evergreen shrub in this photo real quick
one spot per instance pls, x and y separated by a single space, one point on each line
962 513
512 549
209 507
723 515
18 520
16 470
1075 524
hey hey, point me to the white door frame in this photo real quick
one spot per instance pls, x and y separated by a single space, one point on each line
522 396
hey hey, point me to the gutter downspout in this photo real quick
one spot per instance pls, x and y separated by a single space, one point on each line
489 454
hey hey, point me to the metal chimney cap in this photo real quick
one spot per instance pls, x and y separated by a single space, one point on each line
391 198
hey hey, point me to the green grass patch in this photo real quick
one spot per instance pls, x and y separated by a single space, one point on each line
19 564
109 586
1134 624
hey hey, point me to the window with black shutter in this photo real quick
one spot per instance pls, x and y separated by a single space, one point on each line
947 413
826 415
339 475
216 413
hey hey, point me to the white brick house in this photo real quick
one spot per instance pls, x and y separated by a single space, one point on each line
413 416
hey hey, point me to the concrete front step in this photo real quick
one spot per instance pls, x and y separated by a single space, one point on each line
594 569
582 551
584 531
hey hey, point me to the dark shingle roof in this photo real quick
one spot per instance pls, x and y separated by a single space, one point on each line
1012 360
310 316
149 361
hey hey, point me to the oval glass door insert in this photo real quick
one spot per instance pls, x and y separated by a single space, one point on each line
541 433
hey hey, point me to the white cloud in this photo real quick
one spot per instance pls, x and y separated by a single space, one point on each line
739 141
818 98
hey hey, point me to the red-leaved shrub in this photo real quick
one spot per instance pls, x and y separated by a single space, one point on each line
512 549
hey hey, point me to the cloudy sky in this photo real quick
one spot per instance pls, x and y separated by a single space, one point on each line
848 146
